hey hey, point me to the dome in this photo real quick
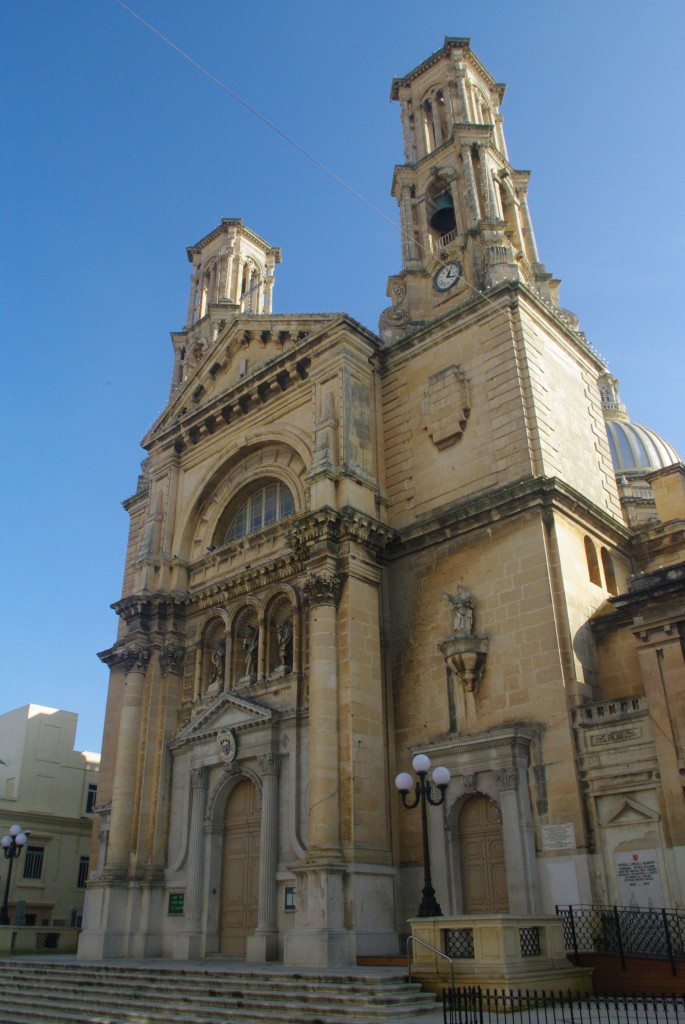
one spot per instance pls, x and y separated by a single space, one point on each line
637 449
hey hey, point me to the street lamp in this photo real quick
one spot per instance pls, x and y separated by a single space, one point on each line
12 846
423 790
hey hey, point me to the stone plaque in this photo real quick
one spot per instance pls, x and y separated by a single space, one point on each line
558 837
639 881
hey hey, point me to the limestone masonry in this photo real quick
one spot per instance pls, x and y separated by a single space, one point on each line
346 548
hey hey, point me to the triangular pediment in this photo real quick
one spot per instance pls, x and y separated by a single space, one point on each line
227 711
629 812
251 358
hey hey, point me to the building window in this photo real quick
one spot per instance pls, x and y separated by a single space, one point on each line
77 917
609 574
592 563
83 872
91 798
33 863
263 507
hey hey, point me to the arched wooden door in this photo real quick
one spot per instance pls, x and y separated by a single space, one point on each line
240 868
481 857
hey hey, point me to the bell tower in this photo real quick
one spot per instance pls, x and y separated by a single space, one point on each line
463 208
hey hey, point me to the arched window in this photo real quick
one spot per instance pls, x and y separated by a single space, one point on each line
592 563
263 505
609 574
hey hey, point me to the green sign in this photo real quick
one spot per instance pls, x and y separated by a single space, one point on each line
176 900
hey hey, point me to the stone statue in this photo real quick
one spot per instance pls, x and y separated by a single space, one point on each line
216 673
462 610
250 643
284 633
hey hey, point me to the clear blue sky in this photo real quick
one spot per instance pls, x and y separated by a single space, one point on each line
118 154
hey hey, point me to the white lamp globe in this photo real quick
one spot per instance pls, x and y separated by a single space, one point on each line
421 763
6 841
404 782
441 776
15 830
21 839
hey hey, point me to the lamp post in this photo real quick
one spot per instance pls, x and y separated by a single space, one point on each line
12 845
423 791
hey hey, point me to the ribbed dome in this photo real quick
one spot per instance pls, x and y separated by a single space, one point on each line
636 449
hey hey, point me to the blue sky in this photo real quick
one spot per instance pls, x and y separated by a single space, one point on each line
118 154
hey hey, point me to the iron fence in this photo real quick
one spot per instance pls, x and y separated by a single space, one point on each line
624 931
495 1006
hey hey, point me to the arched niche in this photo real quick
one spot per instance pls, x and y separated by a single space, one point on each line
247 664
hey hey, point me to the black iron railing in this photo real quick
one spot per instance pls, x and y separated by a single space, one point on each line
482 1006
624 931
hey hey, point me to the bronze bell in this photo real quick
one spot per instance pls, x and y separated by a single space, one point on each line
443 219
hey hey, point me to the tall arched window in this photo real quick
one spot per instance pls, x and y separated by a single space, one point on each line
592 563
609 574
261 506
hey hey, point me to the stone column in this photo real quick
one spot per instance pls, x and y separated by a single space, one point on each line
520 886
136 658
408 239
263 945
320 937
189 945
438 855
192 299
323 593
528 234
197 676
461 92
471 187
409 155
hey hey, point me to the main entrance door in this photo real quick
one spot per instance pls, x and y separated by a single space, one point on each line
481 856
240 868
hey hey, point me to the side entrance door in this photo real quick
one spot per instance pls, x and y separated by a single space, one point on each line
481 855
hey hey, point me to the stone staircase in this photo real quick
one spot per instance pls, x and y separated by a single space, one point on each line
47 991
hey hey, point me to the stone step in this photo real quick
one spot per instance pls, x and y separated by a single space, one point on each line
58 993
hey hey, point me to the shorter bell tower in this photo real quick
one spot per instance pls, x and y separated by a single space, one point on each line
233 274
463 208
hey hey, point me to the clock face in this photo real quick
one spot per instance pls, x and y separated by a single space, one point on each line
447 276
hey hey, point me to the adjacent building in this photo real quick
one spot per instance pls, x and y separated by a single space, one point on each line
50 790
348 547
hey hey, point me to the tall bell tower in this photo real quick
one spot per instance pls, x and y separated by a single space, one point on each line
463 208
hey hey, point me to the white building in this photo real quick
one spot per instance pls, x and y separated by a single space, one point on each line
49 789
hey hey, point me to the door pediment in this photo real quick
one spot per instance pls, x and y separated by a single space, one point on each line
227 711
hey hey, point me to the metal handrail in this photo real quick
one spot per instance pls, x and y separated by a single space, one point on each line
412 938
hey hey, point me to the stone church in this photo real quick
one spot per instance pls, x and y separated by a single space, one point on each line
347 548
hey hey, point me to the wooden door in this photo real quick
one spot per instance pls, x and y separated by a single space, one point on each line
481 854
240 868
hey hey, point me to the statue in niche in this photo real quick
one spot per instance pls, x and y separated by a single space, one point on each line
284 635
250 642
216 672
462 610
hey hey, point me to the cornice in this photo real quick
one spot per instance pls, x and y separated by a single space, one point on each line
544 495
193 413
223 229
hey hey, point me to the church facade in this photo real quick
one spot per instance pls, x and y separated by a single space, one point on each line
347 548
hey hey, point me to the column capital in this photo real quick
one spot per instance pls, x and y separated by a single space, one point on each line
507 778
269 764
199 778
323 588
136 657
171 658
